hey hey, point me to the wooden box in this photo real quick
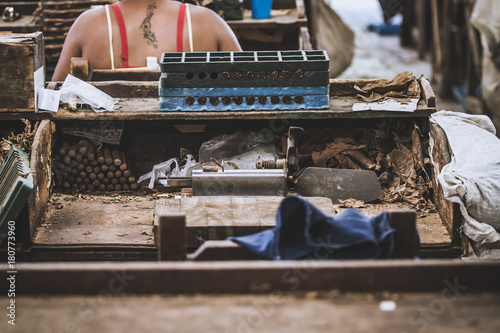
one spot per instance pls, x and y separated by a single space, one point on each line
116 226
22 71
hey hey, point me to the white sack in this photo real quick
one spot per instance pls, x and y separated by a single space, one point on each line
472 178
486 18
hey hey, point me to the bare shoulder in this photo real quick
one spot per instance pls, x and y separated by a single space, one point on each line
91 17
205 15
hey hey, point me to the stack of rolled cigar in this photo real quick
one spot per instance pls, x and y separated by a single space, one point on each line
83 166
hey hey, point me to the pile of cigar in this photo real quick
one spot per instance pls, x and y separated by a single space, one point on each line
84 166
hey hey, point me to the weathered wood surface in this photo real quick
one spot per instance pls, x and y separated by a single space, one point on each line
41 166
428 93
75 3
80 68
223 250
20 56
254 276
172 236
216 218
404 247
275 22
97 220
404 222
448 211
115 312
22 25
139 101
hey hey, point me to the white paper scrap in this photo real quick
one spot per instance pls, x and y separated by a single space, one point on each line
387 105
49 100
152 63
39 82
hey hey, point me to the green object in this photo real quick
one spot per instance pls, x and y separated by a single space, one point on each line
16 184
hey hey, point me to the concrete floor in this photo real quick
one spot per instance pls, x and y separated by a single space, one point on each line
379 56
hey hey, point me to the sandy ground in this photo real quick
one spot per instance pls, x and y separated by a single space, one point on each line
379 56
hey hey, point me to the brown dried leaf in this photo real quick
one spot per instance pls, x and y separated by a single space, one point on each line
332 149
351 203
402 161
382 86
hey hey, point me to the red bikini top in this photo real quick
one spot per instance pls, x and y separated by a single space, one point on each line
123 32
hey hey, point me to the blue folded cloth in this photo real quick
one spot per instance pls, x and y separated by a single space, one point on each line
303 232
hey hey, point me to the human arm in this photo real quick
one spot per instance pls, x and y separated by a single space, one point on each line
72 48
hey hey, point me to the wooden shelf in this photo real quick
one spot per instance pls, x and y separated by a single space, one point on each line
24 24
147 109
280 18
145 106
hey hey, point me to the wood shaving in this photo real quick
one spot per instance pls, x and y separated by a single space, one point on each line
23 140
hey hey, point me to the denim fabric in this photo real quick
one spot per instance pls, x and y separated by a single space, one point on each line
303 232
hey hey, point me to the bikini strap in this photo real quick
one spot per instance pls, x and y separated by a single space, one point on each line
123 33
180 26
110 34
190 31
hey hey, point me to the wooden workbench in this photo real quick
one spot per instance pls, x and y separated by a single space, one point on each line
139 105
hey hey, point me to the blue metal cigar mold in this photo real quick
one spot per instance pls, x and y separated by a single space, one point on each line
240 81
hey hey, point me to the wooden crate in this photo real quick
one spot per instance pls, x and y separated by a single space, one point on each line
22 66
152 136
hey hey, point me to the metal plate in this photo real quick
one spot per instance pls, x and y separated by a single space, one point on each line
239 183
339 184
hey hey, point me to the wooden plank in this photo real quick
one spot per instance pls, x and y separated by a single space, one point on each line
406 236
280 311
438 58
248 215
82 220
216 218
21 55
139 100
172 236
428 93
75 3
223 250
79 68
274 23
403 221
255 276
87 253
144 110
128 75
64 12
448 211
147 109
41 166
